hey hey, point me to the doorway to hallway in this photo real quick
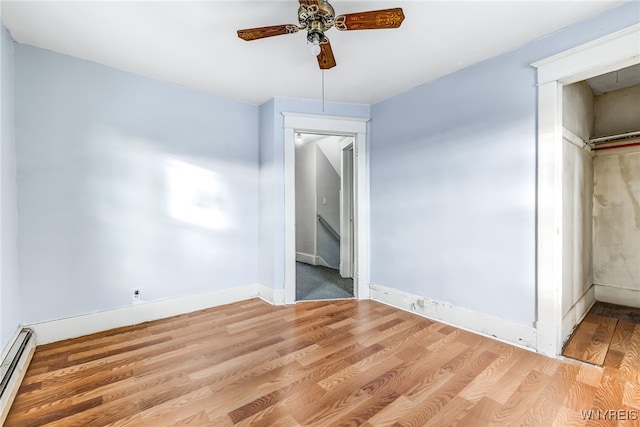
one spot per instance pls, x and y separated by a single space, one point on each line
355 127
324 206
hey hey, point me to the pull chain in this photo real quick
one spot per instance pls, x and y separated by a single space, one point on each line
323 91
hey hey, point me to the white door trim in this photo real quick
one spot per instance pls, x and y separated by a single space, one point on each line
609 53
347 157
353 126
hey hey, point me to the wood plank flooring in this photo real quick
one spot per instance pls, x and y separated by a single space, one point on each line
620 312
591 339
328 363
602 332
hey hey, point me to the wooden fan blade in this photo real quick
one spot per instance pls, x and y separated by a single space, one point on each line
262 32
372 20
325 57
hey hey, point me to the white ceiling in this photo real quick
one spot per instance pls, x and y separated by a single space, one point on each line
194 43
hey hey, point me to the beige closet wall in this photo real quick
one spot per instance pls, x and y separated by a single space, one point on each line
616 225
577 272
617 112
616 210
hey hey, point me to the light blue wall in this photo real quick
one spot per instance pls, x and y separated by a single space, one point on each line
126 182
272 175
453 180
267 173
9 291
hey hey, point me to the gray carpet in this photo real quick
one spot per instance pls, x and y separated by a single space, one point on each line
315 282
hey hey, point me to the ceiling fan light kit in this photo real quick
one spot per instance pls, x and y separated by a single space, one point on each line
317 17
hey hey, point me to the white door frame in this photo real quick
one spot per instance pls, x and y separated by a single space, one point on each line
347 160
618 50
353 126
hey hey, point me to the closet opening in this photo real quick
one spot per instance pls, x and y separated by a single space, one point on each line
601 212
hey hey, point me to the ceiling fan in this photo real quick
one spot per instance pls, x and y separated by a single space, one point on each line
318 16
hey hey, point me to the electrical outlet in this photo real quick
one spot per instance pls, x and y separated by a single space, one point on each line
136 294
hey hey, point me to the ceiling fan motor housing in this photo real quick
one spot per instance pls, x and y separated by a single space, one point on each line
315 33
316 18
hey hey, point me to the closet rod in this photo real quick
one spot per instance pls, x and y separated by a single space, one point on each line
612 138
611 147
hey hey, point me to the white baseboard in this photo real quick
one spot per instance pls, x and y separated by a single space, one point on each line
56 330
621 296
322 262
270 295
306 258
483 324
577 312
312 259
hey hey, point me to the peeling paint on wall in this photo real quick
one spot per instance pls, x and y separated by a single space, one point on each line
628 179
616 219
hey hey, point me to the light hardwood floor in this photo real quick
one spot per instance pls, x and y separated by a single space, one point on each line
327 363
605 335
591 339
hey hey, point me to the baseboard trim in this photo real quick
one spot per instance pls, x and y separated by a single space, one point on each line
71 327
11 390
306 258
270 295
577 312
321 261
324 263
473 321
620 296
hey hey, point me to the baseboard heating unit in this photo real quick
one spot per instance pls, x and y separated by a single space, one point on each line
14 366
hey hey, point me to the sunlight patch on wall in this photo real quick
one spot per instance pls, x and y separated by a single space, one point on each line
195 195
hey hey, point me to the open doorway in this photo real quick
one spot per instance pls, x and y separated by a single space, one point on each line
355 127
601 218
324 216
